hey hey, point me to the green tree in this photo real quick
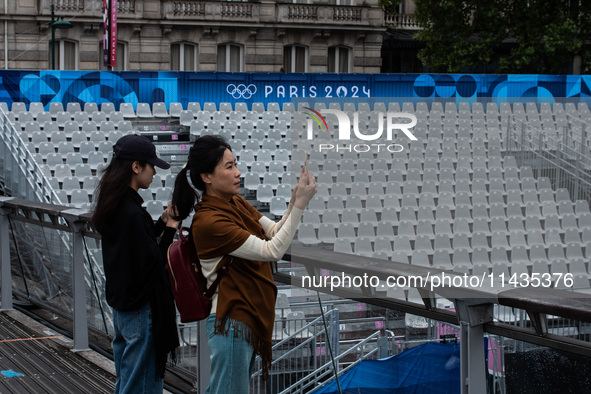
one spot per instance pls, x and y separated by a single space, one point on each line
513 36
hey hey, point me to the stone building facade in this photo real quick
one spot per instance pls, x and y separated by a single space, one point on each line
315 36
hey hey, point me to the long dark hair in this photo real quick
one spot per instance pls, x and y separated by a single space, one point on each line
111 188
204 156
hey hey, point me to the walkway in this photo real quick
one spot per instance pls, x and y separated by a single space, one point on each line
34 359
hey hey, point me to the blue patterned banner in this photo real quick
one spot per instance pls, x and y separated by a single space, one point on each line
184 87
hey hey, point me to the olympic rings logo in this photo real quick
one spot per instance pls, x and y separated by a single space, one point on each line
241 91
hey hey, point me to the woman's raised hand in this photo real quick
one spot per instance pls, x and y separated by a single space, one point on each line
304 190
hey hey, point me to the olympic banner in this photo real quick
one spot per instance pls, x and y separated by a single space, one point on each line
107 31
110 33
113 36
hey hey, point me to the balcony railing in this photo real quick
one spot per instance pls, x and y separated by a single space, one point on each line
402 22
179 11
85 7
274 13
68 5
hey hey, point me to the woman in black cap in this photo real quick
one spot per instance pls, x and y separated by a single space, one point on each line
137 286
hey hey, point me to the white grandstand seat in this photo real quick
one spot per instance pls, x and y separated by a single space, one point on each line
402 245
62 171
73 158
578 266
62 117
574 251
461 257
264 193
57 136
346 231
86 126
193 106
343 246
425 213
569 221
146 194
383 244
54 108
307 234
479 239
125 126
97 137
70 183
407 213
278 205
423 242
154 208
461 241
350 216
127 110
555 251
420 258
95 159
186 117
572 235
253 145
34 108
78 137
251 181
316 204
209 106
106 125
82 170
499 238
73 107
62 196
162 193
363 247
385 228
99 116
53 159
116 117
175 109
90 107
498 255
442 242
43 117
143 110
107 107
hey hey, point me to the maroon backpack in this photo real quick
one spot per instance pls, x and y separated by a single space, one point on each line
189 286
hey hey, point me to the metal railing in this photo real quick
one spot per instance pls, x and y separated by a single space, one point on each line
562 155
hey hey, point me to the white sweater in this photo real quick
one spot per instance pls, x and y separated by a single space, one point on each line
279 235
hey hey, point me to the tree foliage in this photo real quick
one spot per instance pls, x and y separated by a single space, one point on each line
513 36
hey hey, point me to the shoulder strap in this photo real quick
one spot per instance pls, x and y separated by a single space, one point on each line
221 272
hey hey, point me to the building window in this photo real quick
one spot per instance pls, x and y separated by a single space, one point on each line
230 58
66 55
338 59
183 57
295 59
121 57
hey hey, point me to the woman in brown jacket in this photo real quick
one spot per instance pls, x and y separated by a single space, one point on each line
225 226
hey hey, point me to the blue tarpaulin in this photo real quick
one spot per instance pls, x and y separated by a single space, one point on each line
432 368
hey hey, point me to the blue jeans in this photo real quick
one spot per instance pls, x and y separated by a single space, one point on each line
232 362
134 354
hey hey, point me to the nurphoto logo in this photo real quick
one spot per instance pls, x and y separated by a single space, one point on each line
393 121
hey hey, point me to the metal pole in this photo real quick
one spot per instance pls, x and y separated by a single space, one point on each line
52 39
203 357
6 277
78 285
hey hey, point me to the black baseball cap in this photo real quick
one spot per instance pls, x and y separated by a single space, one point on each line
140 148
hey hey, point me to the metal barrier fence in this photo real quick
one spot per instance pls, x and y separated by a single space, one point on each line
562 155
